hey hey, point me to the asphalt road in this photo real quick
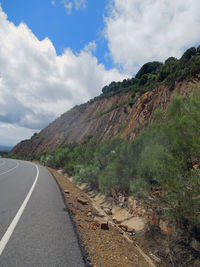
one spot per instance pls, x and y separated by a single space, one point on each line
35 228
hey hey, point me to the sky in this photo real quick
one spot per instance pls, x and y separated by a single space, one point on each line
55 54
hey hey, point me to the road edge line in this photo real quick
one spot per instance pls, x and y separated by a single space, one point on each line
10 169
15 221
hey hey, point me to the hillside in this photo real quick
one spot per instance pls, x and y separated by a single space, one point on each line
123 109
103 118
139 138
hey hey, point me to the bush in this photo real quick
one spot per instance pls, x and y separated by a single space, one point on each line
147 68
88 174
189 54
162 158
166 153
114 177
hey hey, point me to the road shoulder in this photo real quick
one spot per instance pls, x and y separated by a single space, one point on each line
103 246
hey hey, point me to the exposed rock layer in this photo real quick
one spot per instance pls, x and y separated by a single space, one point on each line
101 120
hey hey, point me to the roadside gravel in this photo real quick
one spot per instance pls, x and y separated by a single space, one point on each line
101 247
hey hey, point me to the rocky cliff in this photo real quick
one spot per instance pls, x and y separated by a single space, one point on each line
117 116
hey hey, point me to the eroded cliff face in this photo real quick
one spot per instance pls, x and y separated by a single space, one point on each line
106 118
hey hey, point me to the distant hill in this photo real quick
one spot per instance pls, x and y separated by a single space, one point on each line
5 148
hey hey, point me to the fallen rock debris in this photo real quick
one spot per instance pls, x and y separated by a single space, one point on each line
82 200
101 222
104 242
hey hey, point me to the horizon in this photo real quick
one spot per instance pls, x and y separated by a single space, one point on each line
6 148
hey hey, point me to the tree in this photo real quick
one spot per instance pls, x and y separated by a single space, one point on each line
150 67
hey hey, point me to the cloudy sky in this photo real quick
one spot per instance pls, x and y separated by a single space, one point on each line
55 54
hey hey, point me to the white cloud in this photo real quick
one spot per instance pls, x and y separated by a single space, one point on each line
68 6
73 4
36 85
53 2
91 47
141 31
8 138
79 4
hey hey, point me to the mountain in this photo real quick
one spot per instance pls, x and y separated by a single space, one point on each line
5 148
124 109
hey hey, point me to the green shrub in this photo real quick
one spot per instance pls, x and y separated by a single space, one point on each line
147 68
88 174
188 54
161 158
114 177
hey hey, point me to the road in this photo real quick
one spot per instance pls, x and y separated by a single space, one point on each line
35 227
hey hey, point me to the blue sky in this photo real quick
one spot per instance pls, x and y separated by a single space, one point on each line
51 19
55 54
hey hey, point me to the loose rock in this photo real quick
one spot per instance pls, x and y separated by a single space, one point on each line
82 201
108 211
123 227
89 213
115 220
130 230
101 222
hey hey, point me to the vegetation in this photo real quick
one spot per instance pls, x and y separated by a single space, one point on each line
159 160
13 156
161 165
154 73
4 154
149 68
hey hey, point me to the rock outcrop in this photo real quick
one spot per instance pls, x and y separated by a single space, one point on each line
109 117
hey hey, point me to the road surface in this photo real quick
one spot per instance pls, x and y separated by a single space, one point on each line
35 228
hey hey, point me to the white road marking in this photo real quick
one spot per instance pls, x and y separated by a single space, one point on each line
10 169
14 222
2 163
